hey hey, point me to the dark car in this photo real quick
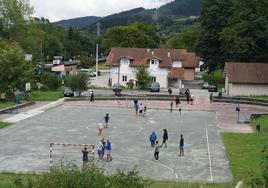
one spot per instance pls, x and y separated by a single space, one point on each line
68 92
155 87
117 87
213 88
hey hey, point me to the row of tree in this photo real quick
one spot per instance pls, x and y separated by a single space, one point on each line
233 30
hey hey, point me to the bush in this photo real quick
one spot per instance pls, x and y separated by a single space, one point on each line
215 77
44 88
77 83
130 84
50 80
93 176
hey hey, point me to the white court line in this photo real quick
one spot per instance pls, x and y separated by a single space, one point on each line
209 157
146 160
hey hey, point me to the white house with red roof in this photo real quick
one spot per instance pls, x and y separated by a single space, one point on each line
168 67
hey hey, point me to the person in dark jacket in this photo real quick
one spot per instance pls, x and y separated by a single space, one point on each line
85 158
165 138
108 151
181 146
106 119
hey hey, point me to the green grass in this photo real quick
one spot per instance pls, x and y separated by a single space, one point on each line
256 97
6 104
47 95
172 184
263 122
7 179
4 124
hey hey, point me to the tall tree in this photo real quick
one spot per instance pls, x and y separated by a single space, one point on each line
143 77
214 18
13 16
136 35
246 36
14 70
186 39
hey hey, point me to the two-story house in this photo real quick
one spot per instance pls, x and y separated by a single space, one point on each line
168 67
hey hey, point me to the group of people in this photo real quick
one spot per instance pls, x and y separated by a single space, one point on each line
104 147
155 144
177 103
189 97
101 127
140 109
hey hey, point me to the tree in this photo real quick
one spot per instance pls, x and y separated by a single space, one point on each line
77 83
50 80
15 72
13 17
136 35
143 78
187 39
214 18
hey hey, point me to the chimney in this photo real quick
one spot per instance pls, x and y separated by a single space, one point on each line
152 52
168 54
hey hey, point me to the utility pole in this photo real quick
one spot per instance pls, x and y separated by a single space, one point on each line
97 49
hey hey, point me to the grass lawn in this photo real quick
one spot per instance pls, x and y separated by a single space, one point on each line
4 124
256 97
6 104
263 122
47 95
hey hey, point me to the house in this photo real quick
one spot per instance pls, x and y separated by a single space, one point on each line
69 67
168 67
246 79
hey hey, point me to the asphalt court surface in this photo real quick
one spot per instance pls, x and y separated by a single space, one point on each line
24 147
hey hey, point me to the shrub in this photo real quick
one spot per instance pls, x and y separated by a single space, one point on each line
44 88
50 80
77 82
143 78
130 84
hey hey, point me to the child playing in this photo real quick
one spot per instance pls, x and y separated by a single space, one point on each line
106 119
100 129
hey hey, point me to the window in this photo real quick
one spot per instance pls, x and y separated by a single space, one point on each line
124 61
153 61
153 79
177 64
124 78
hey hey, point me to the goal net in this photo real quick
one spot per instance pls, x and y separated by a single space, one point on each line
69 153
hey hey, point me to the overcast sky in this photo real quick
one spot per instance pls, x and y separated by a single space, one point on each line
56 10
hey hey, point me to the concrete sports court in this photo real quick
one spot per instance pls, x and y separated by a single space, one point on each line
24 147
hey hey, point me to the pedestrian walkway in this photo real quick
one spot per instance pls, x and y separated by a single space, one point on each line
32 111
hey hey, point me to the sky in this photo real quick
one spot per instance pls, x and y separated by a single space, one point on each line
56 10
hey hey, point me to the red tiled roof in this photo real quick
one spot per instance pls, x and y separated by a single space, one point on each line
141 56
251 73
176 73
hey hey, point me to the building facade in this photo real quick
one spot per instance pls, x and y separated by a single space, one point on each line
168 67
246 79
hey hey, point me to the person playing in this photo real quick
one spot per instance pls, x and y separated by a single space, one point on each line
153 138
108 151
85 158
171 106
136 105
180 108
100 129
211 97
181 147
165 138
192 99
187 94
103 148
156 151
106 119
140 109
92 96
100 151
144 110
177 101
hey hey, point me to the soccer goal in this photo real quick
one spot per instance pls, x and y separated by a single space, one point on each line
69 153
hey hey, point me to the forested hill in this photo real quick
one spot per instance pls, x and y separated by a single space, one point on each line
78 22
174 9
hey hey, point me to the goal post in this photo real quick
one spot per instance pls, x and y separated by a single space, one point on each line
141 97
61 152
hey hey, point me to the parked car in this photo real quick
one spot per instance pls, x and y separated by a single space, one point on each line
117 87
155 87
205 85
213 88
88 72
68 92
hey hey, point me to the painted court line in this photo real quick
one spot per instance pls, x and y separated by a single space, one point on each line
209 157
